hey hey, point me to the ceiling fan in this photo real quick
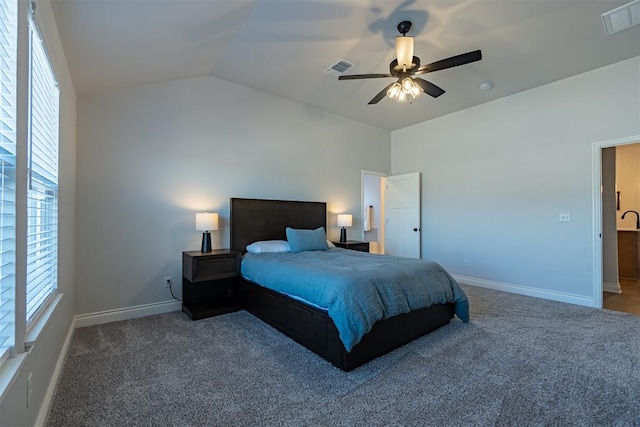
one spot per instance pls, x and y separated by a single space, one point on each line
405 66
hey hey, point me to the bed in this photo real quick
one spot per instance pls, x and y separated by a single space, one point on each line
262 220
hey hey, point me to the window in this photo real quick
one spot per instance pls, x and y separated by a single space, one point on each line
28 125
42 165
8 55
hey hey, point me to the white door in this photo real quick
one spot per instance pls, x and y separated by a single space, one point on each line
402 211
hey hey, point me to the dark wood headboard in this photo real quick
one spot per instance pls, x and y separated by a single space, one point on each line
258 219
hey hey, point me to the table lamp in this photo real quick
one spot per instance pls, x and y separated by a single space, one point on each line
206 222
344 220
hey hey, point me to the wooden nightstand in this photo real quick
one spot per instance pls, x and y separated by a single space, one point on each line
353 245
208 282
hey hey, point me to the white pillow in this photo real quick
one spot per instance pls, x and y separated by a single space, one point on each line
330 244
269 246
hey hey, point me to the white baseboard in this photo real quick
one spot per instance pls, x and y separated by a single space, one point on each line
48 397
108 316
524 290
614 288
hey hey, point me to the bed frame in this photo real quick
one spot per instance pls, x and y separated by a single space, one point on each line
256 219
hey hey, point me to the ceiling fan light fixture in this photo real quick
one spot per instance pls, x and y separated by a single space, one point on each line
404 90
404 51
394 91
407 84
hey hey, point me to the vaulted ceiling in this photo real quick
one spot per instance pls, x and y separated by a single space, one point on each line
283 47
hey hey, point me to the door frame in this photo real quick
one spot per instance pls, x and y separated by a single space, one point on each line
597 210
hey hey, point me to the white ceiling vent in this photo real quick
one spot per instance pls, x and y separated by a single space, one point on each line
622 17
340 67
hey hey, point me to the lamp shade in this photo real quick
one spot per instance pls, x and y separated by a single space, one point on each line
345 220
404 51
206 221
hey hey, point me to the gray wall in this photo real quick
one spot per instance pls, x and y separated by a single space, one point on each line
149 157
495 178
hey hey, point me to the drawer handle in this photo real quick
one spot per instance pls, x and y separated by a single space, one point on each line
213 261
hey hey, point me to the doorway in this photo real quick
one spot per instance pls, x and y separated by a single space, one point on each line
391 213
606 229
621 237
372 203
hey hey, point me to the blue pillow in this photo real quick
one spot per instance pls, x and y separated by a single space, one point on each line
307 240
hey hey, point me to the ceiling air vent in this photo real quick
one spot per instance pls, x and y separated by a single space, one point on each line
622 17
339 68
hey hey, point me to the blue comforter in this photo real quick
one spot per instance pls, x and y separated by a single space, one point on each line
356 288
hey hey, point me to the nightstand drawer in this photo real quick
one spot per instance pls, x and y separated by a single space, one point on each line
215 268
218 264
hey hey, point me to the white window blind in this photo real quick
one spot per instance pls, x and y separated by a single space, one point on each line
42 193
8 66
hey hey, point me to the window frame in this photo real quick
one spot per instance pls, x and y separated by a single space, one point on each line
34 154
8 152
27 332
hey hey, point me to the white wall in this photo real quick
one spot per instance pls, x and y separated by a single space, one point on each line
628 183
149 157
496 176
43 357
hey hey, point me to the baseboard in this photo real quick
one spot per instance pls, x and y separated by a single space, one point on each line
614 288
48 397
524 290
108 316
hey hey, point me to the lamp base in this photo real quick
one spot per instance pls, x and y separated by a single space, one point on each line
343 235
206 242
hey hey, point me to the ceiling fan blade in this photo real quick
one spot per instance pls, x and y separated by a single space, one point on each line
363 76
428 87
381 94
453 61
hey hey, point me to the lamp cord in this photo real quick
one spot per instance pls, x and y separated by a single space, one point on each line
171 290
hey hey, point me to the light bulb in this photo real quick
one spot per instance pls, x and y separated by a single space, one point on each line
415 91
407 84
402 97
394 91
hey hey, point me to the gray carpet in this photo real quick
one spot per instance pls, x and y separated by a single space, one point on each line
520 361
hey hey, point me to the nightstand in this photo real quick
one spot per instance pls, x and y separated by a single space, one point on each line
354 245
208 282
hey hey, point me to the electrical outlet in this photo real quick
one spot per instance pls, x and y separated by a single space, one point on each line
29 388
466 263
167 282
565 217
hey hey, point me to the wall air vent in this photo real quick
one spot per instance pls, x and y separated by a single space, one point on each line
339 68
621 18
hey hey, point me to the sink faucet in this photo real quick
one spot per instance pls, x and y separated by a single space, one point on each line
637 218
